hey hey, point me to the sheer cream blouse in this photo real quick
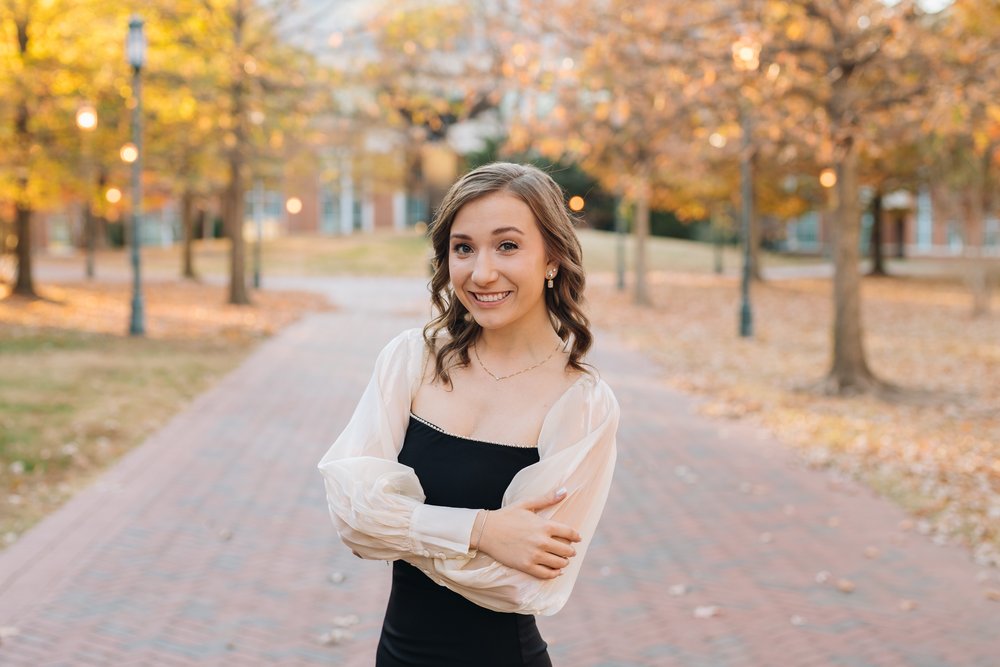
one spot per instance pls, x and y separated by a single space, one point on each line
377 503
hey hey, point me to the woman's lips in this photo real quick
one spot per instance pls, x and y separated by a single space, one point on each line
490 298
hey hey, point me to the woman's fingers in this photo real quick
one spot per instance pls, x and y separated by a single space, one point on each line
547 500
562 531
553 561
558 548
543 572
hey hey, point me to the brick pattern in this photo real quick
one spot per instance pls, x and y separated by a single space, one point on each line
211 545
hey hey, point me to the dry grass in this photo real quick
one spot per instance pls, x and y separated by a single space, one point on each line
78 394
935 448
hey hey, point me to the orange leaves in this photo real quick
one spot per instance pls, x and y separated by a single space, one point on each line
935 447
173 310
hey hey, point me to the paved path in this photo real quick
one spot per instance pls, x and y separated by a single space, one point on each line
210 544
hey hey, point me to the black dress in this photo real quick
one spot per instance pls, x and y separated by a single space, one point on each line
427 625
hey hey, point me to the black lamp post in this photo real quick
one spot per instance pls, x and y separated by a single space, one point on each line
135 49
746 58
86 120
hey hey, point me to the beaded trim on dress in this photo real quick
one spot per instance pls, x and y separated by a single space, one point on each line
464 437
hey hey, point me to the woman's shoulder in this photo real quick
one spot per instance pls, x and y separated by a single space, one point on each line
405 349
591 390
405 341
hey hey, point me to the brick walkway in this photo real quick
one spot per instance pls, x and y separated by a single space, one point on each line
210 544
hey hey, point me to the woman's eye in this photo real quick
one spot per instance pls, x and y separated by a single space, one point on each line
508 246
462 249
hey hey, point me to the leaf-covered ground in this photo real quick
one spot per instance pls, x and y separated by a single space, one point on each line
935 448
77 393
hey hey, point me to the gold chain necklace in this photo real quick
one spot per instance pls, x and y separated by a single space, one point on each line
475 349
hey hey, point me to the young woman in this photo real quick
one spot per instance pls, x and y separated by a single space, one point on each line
480 456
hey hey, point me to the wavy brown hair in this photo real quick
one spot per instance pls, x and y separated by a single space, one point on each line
565 300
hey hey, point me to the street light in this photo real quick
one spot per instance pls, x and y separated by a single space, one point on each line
135 50
128 153
86 120
746 59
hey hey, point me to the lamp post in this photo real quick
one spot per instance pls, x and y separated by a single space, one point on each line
135 49
86 120
258 220
746 58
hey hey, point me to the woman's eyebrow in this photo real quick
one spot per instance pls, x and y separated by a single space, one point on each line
496 232
506 230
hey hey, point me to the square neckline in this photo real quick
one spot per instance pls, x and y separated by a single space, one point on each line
467 438
583 376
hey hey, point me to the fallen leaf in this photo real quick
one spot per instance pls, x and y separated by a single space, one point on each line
845 585
707 611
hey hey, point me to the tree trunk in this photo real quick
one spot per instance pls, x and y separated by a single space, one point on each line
756 239
849 372
89 237
976 268
878 259
901 235
238 293
236 189
641 235
187 230
100 221
23 284
977 277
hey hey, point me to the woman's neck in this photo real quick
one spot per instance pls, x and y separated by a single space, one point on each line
527 340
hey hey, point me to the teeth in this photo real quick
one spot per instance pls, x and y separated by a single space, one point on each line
491 297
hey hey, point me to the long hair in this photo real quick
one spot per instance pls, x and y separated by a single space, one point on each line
564 301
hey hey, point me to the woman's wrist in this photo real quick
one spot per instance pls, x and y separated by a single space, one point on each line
478 528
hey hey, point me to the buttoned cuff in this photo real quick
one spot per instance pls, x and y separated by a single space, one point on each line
441 532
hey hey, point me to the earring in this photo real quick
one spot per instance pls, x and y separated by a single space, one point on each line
550 276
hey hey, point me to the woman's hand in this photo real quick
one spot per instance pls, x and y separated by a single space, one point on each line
517 537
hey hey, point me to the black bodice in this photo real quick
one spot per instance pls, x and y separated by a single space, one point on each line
430 625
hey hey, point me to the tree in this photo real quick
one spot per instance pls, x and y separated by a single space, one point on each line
46 67
851 66
618 89
231 88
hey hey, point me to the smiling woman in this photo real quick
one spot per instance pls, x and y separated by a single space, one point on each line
485 533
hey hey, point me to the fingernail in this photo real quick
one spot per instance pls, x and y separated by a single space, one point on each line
561 492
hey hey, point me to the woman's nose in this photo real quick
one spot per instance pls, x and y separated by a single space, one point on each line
484 272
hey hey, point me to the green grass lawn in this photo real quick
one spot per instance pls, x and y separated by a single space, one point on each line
73 402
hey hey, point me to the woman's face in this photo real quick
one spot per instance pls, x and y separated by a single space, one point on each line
497 261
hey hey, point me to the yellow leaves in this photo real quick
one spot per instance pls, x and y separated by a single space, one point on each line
187 108
981 140
776 10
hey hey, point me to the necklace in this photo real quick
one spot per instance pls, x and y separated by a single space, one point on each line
475 349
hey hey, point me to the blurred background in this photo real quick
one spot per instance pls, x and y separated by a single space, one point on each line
792 205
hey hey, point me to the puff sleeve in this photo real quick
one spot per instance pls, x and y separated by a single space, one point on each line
376 503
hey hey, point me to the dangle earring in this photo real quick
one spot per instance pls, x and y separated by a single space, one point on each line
550 276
